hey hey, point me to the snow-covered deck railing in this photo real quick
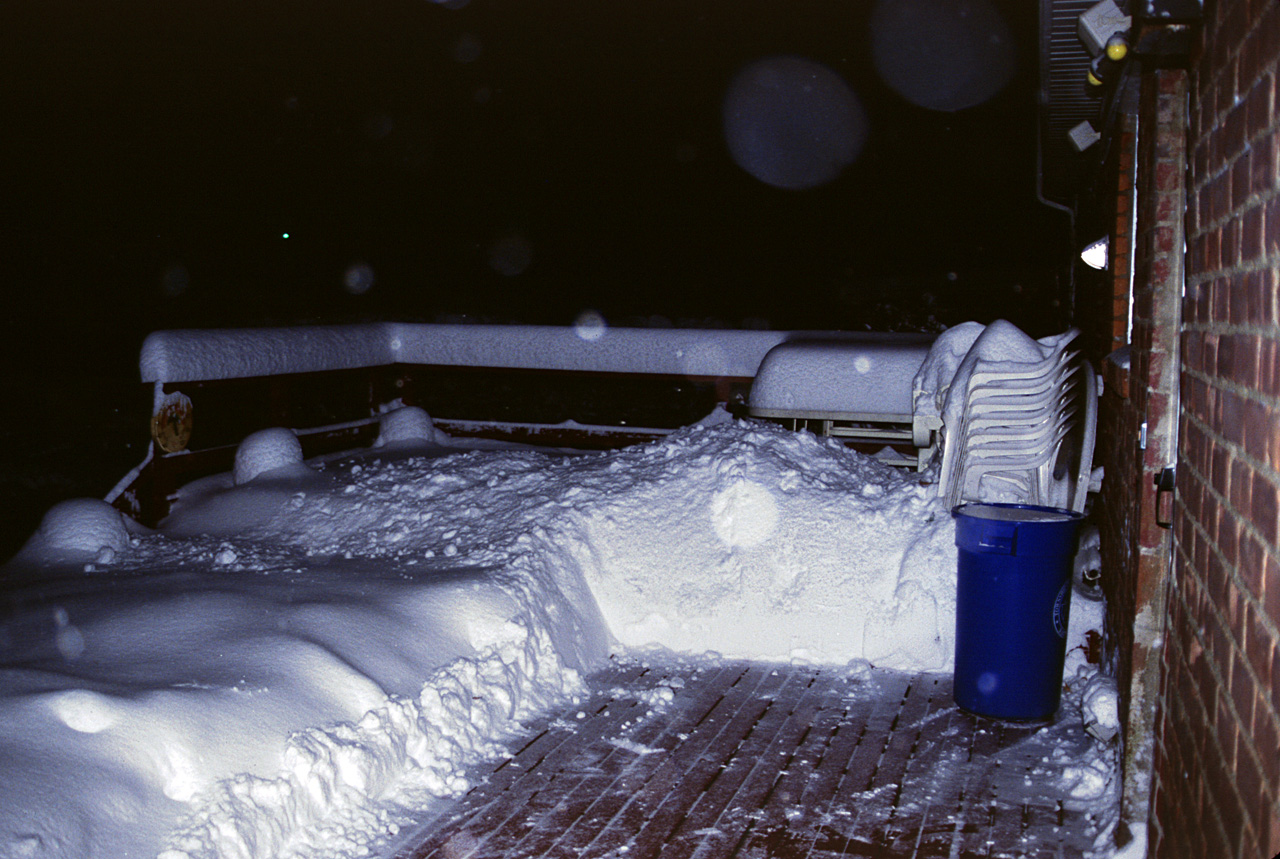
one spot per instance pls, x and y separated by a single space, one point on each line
585 386
581 387
203 355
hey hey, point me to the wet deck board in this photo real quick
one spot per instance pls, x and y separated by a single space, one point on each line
739 759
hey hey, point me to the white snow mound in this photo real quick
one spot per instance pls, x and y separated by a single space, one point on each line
406 424
266 451
83 526
286 662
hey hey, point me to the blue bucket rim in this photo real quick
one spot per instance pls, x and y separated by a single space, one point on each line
959 510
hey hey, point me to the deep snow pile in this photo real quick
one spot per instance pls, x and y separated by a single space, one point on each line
297 656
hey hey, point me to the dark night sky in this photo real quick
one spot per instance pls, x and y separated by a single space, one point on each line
158 151
188 137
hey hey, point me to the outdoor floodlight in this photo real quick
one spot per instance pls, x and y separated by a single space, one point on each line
1095 255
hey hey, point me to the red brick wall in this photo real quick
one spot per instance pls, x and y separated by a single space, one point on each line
1217 756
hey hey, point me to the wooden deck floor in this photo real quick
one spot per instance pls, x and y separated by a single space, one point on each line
754 760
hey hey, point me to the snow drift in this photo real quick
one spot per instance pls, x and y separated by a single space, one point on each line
290 660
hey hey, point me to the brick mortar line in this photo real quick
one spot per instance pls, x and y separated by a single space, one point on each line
1244 392
1217 226
1265 261
1223 72
1209 719
1223 76
1266 621
1222 173
1268 550
1233 328
1218 123
1180 713
1237 448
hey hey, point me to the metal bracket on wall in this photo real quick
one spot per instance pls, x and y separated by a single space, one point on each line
1165 482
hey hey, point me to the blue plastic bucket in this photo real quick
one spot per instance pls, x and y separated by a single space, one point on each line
1013 598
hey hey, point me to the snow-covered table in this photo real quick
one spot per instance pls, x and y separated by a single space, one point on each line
852 386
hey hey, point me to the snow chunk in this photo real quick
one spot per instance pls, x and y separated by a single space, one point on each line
1101 707
266 451
933 380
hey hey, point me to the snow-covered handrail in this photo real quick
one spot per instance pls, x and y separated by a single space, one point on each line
189 355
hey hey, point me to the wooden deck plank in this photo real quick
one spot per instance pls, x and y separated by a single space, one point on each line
769 742
929 796
604 760
873 790
792 792
585 810
754 761
654 812
947 766
653 777
787 751
553 748
817 827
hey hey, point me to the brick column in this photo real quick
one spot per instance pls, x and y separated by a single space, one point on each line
1157 288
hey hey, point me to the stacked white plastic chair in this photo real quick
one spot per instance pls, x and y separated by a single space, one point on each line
1020 431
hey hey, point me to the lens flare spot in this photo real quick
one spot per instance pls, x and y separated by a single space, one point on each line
83 711
943 55
792 122
510 255
358 278
590 325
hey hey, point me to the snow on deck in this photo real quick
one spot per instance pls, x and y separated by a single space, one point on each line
732 758
296 661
